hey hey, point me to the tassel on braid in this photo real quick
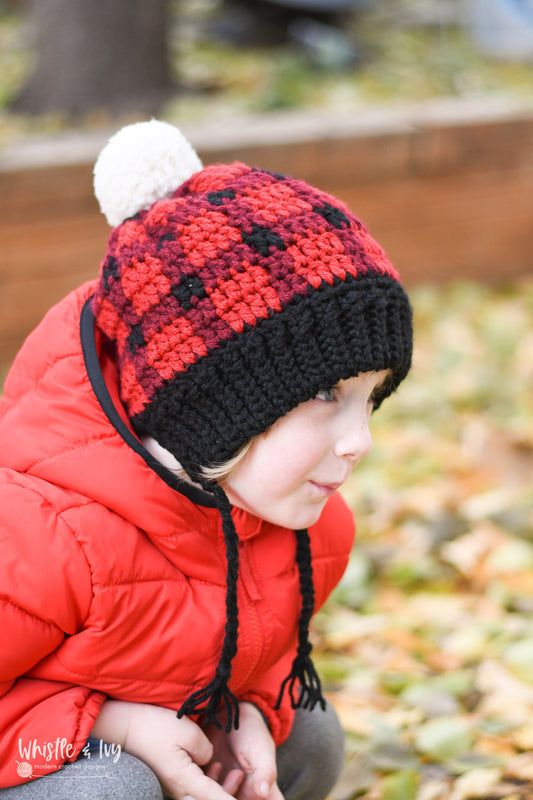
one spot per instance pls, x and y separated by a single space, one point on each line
217 696
303 669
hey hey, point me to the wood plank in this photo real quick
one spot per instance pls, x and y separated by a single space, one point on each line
451 227
36 193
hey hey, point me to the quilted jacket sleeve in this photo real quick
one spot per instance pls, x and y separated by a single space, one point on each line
45 591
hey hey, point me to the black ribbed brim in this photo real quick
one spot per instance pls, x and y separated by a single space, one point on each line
205 415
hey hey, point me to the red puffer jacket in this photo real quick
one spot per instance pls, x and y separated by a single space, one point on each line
112 571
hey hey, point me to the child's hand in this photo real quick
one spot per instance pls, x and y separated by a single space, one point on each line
244 761
175 749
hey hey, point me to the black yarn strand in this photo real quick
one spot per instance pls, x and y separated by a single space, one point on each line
303 683
217 696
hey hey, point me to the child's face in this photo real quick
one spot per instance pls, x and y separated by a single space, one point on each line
289 472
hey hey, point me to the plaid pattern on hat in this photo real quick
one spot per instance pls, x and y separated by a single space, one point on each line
242 295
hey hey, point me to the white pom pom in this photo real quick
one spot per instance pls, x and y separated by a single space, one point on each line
140 164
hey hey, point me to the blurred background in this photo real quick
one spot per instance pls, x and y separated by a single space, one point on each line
419 114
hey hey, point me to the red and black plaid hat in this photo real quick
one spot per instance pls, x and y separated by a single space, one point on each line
237 298
232 295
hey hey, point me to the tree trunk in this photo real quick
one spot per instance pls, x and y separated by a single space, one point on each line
98 54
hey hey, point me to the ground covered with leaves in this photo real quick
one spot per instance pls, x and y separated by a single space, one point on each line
426 647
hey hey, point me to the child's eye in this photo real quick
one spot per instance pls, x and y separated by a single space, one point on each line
328 395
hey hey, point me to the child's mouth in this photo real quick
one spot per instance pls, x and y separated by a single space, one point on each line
326 489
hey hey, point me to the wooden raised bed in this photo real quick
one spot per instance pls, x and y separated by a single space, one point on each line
446 188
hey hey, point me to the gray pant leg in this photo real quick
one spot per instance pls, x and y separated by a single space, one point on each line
312 758
92 779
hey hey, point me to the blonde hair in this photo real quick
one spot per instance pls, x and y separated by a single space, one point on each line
221 472
218 472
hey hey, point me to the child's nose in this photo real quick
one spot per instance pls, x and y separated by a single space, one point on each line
354 440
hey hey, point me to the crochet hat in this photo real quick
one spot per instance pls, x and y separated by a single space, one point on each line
232 295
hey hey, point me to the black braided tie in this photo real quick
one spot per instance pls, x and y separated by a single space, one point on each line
217 697
303 683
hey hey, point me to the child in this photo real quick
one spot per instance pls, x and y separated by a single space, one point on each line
172 438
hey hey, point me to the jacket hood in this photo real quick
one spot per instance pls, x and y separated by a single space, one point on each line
61 420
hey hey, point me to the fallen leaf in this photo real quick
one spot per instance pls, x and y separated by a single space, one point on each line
444 737
400 786
476 783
